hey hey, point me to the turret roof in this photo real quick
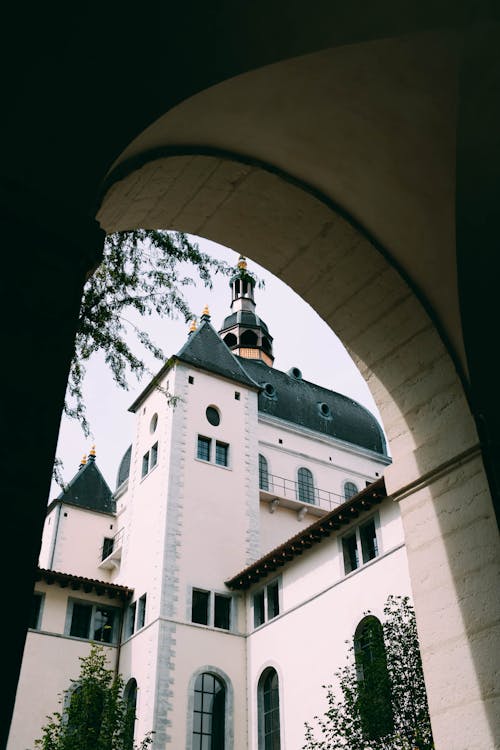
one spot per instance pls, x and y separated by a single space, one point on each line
88 489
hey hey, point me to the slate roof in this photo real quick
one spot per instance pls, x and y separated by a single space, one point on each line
88 489
205 349
309 405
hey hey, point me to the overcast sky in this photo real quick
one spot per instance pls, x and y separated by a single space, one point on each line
301 339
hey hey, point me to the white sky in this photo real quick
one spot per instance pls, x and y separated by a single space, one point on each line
301 339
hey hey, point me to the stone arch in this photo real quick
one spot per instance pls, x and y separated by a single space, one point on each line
351 281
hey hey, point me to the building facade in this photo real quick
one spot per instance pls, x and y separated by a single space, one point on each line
248 535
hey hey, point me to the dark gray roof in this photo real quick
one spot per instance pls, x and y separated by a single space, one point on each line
314 407
205 349
124 468
88 489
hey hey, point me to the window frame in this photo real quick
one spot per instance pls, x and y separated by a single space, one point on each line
149 460
345 483
266 740
309 487
196 708
263 470
212 450
355 532
262 593
225 447
211 597
141 612
40 596
94 607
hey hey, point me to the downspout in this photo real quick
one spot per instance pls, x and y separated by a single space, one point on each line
54 541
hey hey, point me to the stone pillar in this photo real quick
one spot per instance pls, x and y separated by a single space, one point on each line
454 561
46 257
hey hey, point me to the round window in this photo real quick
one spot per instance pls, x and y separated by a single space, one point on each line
269 390
213 415
324 410
153 423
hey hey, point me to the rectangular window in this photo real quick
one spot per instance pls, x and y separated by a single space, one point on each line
80 620
221 453
222 611
203 450
130 620
145 464
199 606
273 605
360 546
266 603
141 612
36 608
350 548
368 539
104 624
107 547
93 621
153 460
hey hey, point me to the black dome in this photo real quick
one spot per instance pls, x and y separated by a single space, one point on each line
245 318
124 468
316 408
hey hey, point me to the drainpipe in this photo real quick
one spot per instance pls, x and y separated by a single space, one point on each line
54 541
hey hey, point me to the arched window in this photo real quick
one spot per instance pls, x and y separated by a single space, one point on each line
209 715
248 338
350 490
230 340
130 696
305 486
374 690
268 702
263 473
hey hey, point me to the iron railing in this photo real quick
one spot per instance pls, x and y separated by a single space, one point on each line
302 492
110 545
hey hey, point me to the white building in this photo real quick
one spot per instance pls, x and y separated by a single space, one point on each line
248 534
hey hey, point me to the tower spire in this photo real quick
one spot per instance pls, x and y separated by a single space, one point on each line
243 331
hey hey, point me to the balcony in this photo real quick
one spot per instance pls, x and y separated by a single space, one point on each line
304 498
110 553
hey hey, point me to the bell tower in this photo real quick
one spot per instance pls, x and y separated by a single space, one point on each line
243 331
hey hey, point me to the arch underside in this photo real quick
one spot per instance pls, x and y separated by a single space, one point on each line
310 213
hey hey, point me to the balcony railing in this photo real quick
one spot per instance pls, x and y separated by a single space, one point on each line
295 494
110 552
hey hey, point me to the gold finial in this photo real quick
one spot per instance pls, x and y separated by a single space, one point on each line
192 327
84 460
242 263
206 311
92 452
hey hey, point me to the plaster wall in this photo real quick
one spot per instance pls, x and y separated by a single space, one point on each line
49 531
50 662
142 508
70 555
306 644
323 565
279 525
138 660
205 649
219 504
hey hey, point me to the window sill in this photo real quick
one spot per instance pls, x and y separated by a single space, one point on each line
212 463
